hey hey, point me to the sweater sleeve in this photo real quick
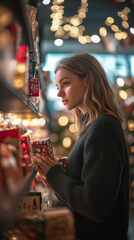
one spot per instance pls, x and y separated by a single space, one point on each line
95 195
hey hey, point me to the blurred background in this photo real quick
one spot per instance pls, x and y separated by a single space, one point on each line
34 35
104 28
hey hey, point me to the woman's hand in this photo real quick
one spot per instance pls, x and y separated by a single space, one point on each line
43 163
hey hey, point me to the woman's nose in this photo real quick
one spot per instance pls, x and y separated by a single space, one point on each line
60 93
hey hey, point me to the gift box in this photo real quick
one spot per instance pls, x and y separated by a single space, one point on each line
43 146
33 87
22 73
62 161
26 154
30 202
26 144
54 224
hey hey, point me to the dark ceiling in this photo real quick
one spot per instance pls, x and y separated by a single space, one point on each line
98 11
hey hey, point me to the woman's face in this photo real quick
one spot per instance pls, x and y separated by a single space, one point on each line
71 89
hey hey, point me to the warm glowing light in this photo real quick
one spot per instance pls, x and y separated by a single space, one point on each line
60 1
132 30
21 68
25 123
63 121
107 23
17 121
58 42
103 31
117 36
72 128
42 121
82 15
124 17
120 82
75 21
67 27
82 39
35 122
124 35
119 14
110 20
131 125
125 24
46 2
95 38
6 16
67 142
114 28
81 28
88 38
122 94
128 10
19 82
74 31
59 33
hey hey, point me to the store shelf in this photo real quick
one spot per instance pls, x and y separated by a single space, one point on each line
9 206
19 10
16 101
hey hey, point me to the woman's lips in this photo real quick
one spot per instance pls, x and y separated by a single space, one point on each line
64 102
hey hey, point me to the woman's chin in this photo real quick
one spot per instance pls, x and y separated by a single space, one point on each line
68 108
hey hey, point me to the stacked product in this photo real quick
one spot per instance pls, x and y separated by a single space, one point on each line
55 224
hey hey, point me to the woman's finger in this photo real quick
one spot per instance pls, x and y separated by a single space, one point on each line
47 159
42 166
35 167
41 162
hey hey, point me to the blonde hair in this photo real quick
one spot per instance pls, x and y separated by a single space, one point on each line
99 98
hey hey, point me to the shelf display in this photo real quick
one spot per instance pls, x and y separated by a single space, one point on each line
19 100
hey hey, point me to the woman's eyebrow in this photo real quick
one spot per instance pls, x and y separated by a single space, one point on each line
63 79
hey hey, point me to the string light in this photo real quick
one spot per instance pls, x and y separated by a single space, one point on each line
65 27
58 42
95 38
46 2
67 142
122 94
132 30
63 121
120 82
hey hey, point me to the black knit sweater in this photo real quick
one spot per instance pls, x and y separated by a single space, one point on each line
96 184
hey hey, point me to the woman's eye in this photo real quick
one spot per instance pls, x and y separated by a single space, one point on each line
66 83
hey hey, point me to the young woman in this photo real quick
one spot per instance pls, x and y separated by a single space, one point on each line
95 185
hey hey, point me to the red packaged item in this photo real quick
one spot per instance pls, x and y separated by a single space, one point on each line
26 141
33 87
13 137
43 146
26 154
62 161
22 54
